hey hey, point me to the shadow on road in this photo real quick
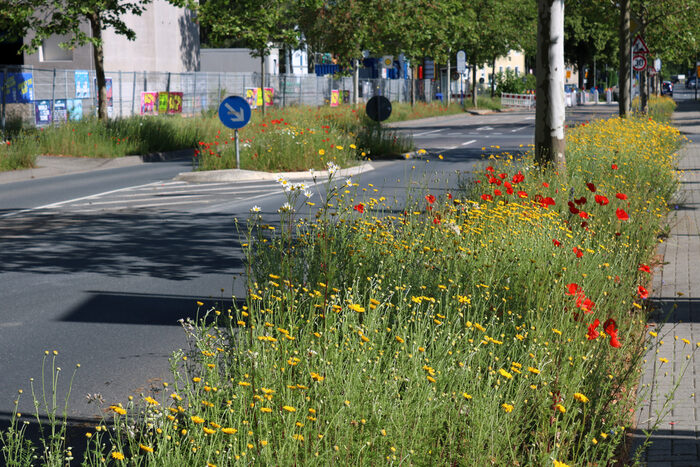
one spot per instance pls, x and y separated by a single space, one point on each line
174 247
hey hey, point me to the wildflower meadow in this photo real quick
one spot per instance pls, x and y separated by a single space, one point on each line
502 323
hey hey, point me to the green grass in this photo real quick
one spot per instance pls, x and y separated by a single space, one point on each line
456 328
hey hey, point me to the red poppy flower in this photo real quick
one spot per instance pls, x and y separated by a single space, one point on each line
497 192
643 293
548 201
489 168
610 326
509 190
587 306
583 215
486 197
592 333
503 175
621 196
573 289
359 208
602 200
582 200
614 341
591 187
645 268
545 184
622 215
572 208
584 224
430 198
519 177
436 220
449 195
614 166
578 252
556 242
522 194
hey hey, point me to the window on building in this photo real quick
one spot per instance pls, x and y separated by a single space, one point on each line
517 71
51 52
500 69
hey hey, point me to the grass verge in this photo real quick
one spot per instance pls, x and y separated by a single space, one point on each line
502 324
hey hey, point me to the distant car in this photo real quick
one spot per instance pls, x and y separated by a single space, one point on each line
691 83
667 88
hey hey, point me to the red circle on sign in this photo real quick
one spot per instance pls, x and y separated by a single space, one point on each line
639 62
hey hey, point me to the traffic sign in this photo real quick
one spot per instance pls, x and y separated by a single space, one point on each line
657 64
378 108
461 61
639 62
639 46
234 112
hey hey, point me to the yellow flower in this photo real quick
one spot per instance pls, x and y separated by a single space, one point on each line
317 377
197 419
229 431
298 437
560 464
289 408
507 407
431 379
266 409
399 340
208 431
505 374
340 148
117 409
466 396
560 408
356 307
151 401
117 455
145 448
321 152
533 370
580 397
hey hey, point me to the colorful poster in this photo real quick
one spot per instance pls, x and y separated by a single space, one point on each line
60 113
42 112
82 84
346 96
175 102
251 95
162 102
74 109
148 103
19 88
269 96
335 98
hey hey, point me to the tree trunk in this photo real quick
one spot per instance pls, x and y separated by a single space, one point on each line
262 80
448 91
493 78
414 72
549 112
624 88
474 88
581 65
356 83
98 54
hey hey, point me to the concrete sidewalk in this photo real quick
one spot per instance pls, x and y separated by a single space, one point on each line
676 292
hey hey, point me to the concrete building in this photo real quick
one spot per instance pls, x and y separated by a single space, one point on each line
238 61
167 39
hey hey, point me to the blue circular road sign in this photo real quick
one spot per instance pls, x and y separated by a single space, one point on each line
234 112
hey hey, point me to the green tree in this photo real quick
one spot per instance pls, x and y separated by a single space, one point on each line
65 17
260 24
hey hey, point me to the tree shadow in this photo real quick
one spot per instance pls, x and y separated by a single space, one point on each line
117 244
189 34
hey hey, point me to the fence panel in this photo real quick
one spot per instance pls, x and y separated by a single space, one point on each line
74 91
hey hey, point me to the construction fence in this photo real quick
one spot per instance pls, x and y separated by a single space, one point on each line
45 96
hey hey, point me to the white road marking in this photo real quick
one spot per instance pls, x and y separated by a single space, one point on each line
130 202
469 142
484 128
529 118
425 133
521 128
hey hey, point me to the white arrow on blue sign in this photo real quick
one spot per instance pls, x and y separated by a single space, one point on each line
234 112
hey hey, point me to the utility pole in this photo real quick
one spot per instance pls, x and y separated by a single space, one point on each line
625 46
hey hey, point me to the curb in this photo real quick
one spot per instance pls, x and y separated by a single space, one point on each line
236 175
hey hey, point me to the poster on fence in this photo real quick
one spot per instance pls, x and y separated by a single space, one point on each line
42 112
175 102
74 107
335 98
346 96
251 96
60 113
19 88
269 96
82 84
162 102
148 103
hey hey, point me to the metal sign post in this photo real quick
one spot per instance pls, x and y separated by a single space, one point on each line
234 113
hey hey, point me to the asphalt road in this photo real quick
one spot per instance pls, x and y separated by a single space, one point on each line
101 265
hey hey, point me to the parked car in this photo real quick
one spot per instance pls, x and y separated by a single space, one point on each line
667 88
691 83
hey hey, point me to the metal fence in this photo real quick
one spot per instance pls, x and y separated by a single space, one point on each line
43 96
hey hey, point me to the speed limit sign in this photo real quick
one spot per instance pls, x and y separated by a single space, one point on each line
639 62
